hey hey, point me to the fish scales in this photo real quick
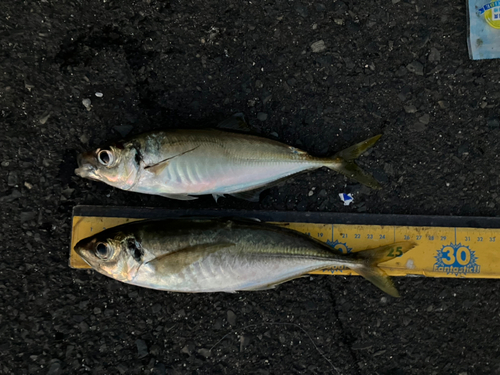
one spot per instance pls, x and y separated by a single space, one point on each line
219 255
183 164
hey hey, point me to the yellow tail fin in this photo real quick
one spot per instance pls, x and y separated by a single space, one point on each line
343 162
369 259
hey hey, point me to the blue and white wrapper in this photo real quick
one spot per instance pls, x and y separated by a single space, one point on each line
484 29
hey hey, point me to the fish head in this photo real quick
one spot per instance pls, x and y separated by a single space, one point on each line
112 253
116 165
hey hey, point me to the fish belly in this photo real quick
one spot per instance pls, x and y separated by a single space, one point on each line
217 172
230 273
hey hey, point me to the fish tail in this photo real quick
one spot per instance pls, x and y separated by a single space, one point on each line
369 259
343 162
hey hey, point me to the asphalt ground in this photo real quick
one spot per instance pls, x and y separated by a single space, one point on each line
319 76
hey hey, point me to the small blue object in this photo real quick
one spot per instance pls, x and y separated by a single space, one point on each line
346 198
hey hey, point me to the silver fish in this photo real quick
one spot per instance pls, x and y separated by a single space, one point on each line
182 164
221 255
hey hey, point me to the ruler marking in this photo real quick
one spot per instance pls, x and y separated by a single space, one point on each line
473 259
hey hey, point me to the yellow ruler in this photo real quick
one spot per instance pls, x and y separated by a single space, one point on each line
462 250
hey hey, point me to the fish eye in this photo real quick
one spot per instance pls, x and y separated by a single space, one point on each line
105 157
102 250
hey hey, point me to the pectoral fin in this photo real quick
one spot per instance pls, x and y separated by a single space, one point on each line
158 168
161 165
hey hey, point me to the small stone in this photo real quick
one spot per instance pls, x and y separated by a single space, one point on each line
142 348
418 127
188 349
231 318
156 308
204 352
349 64
159 369
218 324
416 67
12 180
389 169
244 341
434 55
54 369
44 119
401 71
262 116
320 7
424 119
11 197
87 104
302 10
99 94
318 46
122 369
27 216
28 185
493 123
5 163
311 193
84 138
443 104
410 108
67 192
338 21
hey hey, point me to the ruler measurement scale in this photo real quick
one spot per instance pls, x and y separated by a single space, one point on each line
440 251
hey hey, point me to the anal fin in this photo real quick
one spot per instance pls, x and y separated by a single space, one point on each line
180 197
253 195
249 195
217 196
274 285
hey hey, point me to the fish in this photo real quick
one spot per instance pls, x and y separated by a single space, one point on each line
203 255
227 160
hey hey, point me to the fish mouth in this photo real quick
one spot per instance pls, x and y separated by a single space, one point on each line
81 248
85 169
81 253
85 172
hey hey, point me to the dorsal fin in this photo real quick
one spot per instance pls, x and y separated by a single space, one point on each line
235 122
